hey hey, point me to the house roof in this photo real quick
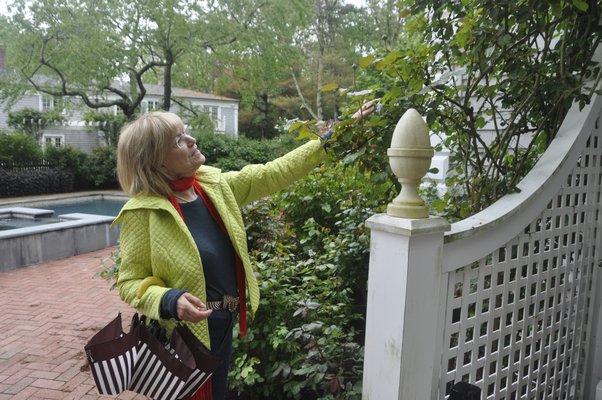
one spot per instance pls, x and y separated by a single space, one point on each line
157 90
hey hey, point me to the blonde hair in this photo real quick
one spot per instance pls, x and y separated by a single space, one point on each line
143 144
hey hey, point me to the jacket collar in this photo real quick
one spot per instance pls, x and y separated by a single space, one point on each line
207 177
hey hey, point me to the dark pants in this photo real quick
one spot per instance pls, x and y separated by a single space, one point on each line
220 334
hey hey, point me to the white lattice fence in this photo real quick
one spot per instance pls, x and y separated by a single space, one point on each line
517 319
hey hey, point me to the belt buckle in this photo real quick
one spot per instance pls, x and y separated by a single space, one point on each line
230 303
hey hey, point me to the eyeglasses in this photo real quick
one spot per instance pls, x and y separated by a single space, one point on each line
180 139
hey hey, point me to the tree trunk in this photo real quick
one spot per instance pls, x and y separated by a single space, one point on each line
167 81
319 105
264 115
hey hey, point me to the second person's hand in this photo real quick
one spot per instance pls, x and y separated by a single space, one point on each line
366 109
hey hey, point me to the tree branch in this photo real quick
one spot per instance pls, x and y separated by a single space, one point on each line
300 93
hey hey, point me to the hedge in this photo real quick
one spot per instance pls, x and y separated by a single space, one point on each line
34 182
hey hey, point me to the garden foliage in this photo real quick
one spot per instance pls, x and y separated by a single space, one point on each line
494 80
32 122
33 182
18 148
28 169
230 154
310 247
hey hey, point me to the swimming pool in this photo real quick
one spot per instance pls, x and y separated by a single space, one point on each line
93 204
55 227
17 223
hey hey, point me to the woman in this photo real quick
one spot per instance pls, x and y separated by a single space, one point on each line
184 228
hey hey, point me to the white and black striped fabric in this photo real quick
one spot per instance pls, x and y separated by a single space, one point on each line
137 361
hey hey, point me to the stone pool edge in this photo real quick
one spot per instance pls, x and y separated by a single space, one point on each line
80 233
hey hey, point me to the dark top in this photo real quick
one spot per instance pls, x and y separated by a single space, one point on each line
217 256
215 247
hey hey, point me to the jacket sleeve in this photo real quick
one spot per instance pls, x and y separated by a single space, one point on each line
259 180
136 265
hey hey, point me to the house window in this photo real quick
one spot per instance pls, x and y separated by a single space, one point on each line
152 105
214 113
49 102
56 141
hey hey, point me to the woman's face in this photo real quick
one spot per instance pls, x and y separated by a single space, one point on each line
183 157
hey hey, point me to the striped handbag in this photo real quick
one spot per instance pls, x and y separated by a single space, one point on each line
140 362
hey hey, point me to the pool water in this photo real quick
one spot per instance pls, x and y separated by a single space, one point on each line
16 223
110 207
99 207
33 231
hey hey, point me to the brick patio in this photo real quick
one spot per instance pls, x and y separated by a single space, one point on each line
49 311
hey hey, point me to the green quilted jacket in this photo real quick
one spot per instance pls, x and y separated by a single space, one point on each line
155 241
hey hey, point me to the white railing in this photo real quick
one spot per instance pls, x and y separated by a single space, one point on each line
507 300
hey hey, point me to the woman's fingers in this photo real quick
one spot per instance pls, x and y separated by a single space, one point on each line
195 301
366 109
192 309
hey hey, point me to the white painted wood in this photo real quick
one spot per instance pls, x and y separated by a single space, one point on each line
511 301
522 306
402 331
410 157
480 234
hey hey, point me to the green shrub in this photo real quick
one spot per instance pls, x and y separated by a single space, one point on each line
69 159
34 182
232 154
19 148
310 248
324 195
32 122
99 168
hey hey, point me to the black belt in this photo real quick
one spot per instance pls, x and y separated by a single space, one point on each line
229 303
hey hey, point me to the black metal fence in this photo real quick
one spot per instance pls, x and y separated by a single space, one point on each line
29 166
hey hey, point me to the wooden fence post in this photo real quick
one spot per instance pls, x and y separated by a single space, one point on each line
403 335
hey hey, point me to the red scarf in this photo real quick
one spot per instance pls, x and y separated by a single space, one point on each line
182 184
179 186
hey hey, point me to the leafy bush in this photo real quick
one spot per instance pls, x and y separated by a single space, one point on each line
323 196
310 248
34 182
19 148
32 122
69 159
232 154
100 166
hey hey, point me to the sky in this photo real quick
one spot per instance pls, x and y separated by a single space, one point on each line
357 3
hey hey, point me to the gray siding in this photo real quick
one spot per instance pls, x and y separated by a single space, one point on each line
229 115
84 138
76 134
29 101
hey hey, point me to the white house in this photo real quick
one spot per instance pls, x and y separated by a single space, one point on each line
75 132
223 110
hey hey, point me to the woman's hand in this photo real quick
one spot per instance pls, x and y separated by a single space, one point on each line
366 109
191 309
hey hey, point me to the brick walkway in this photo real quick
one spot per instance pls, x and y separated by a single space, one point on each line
48 312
